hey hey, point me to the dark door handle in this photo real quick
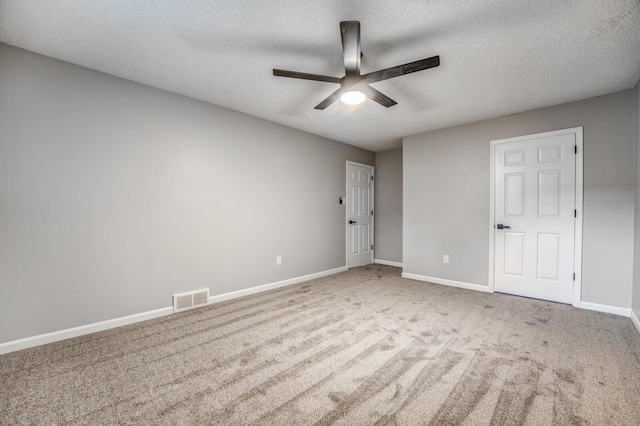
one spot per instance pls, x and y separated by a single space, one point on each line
352 222
501 226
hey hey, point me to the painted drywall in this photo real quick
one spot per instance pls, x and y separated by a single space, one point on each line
115 195
446 194
388 206
636 252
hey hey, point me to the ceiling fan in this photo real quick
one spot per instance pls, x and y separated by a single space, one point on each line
354 87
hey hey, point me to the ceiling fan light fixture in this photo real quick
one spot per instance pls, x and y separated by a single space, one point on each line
355 84
353 97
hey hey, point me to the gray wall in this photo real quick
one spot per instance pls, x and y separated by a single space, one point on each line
636 252
114 196
388 205
446 194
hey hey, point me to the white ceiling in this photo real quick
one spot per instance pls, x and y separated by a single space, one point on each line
498 57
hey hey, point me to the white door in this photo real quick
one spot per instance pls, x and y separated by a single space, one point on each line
359 214
534 212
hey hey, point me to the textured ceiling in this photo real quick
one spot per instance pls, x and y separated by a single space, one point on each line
498 57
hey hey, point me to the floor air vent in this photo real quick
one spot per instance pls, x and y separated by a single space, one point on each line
190 300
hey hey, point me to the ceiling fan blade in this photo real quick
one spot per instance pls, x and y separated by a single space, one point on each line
377 96
396 71
329 99
350 31
305 76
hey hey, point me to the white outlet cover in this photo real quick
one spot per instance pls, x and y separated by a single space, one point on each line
278 260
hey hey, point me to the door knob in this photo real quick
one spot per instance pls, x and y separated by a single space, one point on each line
501 226
352 222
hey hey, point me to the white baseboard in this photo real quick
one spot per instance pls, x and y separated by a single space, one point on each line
388 263
266 287
450 283
635 320
625 312
56 336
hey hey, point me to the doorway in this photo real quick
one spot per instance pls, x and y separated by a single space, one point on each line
359 217
536 216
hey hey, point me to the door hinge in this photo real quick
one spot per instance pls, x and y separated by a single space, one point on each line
371 246
371 178
575 149
575 213
371 212
574 276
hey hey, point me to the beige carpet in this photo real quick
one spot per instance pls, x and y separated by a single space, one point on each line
358 348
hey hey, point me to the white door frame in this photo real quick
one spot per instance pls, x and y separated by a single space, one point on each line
346 210
577 257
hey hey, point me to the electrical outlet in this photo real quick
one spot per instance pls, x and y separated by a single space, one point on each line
278 260
445 258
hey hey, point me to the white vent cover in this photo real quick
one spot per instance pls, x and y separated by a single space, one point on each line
190 300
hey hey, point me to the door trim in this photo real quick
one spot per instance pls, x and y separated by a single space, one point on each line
577 252
346 210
